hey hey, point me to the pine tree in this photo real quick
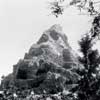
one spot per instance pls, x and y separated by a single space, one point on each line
88 87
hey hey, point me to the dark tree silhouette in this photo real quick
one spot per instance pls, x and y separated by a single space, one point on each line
88 85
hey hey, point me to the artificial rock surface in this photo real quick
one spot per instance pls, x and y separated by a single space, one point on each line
49 66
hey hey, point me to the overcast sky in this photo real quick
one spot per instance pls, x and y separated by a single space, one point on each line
23 21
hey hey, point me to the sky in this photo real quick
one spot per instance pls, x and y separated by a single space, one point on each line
22 22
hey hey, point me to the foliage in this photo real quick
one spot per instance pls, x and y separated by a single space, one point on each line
56 8
88 86
90 6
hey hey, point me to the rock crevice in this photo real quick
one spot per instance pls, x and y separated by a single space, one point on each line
50 59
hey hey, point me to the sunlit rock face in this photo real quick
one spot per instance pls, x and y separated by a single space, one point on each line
49 66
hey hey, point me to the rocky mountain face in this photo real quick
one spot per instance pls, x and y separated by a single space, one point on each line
49 66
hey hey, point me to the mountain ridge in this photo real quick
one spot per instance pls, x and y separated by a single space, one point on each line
50 59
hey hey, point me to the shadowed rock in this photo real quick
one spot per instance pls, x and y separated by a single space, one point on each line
44 38
49 64
54 35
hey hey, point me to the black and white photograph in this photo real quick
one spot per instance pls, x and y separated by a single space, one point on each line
49 49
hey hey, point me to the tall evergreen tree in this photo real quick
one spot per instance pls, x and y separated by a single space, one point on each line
89 85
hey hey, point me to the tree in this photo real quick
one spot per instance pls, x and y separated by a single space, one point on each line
90 6
88 86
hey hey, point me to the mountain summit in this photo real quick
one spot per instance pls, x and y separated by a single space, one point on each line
50 65
57 28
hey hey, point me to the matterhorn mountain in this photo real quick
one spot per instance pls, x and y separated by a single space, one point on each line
48 67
